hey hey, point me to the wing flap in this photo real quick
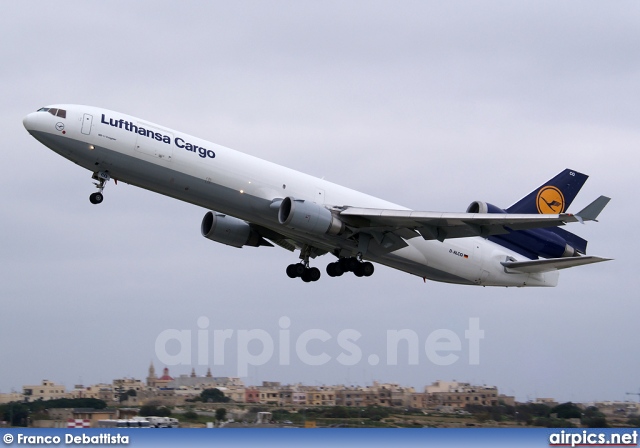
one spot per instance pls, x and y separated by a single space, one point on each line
550 264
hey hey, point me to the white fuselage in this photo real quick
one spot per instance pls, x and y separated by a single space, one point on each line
230 182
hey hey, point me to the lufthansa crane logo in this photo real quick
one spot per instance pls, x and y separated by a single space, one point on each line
550 200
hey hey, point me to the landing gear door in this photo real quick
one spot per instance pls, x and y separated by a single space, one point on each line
87 122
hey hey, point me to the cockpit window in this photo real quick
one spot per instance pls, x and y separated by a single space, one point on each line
55 112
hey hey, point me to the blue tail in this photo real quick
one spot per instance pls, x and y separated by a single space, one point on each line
552 197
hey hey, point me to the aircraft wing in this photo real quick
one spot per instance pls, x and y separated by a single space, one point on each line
440 226
550 264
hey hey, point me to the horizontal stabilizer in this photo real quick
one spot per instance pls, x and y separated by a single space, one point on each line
591 211
550 264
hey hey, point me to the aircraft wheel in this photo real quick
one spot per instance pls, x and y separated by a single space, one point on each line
299 269
348 264
306 276
359 270
314 274
336 269
367 269
96 198
331 270
291 271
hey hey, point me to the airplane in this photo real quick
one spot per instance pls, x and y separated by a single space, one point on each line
253 202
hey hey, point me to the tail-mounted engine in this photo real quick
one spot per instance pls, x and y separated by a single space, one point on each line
483 207
551 242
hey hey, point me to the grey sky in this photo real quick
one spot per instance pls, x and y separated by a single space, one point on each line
431 105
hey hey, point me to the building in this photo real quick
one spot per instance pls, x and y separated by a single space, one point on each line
286 395
355 396
457 395
94 391
418 400
154 381
507 400
48 390
621 409
60 416
269 393
251 395
126 384
551 402
298 398
11 397
161 382
204 382
235 393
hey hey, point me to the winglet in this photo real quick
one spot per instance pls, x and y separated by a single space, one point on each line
591 211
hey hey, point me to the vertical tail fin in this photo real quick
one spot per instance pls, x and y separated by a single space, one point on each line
552 197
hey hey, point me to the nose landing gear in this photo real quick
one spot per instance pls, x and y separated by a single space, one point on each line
101 177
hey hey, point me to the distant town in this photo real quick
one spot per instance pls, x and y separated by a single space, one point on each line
207 400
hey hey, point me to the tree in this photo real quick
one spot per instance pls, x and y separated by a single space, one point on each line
213 396
593 418
152 410
338 412
221 414
567 410
595 422
164 412
190 415
634 421
127 394
549 422
16 413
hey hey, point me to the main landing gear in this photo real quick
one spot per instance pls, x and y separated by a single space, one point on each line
302 269
101 177
306 273
336 269
359 268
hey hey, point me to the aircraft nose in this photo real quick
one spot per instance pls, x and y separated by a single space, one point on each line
29 121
